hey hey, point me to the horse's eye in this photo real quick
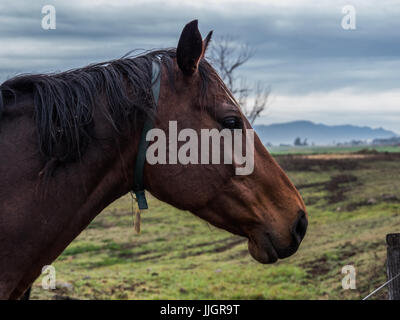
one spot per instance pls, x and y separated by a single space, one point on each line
232 123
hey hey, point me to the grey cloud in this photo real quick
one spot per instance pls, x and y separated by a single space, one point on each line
299 49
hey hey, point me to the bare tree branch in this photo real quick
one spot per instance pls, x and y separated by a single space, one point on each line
227 55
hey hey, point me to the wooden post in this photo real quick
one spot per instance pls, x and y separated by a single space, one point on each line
393 264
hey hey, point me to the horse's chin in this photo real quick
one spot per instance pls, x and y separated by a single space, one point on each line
263 252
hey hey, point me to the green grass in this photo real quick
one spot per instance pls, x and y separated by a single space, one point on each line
178 256
280 150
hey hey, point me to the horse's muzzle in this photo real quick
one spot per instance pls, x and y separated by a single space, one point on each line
263 249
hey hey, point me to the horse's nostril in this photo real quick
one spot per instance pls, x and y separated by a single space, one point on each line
300 226
298 232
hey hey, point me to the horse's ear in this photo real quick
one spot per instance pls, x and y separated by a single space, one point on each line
206 41
191 48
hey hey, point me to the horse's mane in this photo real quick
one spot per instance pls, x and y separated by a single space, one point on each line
64 102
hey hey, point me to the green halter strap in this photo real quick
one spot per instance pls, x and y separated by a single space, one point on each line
138 185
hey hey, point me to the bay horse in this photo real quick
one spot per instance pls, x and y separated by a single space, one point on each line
69 143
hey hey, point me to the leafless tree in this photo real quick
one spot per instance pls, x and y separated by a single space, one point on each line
227 55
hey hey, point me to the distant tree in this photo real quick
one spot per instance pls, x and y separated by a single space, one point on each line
387 141
227 55
298 142
357 142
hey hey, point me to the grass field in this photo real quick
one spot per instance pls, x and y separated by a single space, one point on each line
353 202
282 150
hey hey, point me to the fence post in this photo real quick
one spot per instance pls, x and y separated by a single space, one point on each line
393 264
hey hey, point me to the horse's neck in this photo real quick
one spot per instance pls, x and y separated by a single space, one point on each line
41 216
104 174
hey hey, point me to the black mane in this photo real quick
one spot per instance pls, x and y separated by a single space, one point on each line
64 102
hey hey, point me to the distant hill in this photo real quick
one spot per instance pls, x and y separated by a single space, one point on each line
320 134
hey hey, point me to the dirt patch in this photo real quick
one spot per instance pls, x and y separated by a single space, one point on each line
240 254
337 186
336 181
310 200
311 185
153 257
61 297
343 156
350 249
324 265
347 251
204 244
302 163
130 255
189 267
232 243
317 267
368 151
229 245
324 162
385 198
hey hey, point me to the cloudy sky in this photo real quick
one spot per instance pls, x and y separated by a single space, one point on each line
316 69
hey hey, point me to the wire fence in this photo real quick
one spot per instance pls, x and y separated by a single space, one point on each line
381 287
